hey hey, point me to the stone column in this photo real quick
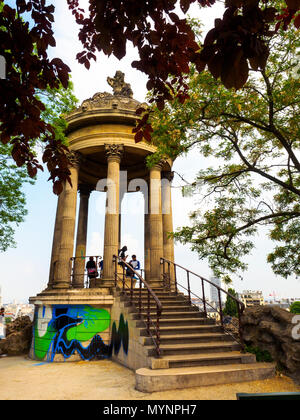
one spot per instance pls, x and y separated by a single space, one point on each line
120 219
56 239
155 223
147 263
62 269
167 215
80 253
114 154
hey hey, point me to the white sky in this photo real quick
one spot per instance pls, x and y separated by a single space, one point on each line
24 271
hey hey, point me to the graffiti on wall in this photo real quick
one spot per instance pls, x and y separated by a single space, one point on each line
119 336
67 330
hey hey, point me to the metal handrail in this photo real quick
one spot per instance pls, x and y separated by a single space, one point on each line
240 304
150 293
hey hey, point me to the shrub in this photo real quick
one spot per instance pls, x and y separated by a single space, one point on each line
230 305
295 308
261 355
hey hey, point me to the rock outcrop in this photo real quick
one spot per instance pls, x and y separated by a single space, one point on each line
272 329
18 337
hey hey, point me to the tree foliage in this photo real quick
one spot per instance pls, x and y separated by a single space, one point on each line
166 45
230 304
13 178
295 308
12 199
253 135
29 69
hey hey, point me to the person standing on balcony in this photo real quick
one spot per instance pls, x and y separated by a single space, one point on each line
122 255
135 264
91 268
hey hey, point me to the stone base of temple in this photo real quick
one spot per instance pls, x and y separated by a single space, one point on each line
72 324
98 295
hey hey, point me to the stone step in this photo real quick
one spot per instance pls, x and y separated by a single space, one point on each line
179 323
172 315
194 348
180 308
167 302
160 294
150 380
188 329
190 338
167 308
204 359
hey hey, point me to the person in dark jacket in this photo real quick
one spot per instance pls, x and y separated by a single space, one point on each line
91 268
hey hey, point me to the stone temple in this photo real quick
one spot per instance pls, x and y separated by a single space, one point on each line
143 322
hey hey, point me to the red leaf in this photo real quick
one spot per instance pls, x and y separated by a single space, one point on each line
138 137
185 5
147 135
139 111
293 4
5 138
297 22
160 104
57 187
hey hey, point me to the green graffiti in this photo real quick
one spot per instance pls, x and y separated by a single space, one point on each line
41 344
95 321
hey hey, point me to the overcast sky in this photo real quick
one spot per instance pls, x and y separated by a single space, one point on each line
24 270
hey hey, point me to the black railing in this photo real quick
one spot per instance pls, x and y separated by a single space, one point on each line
170 280
127 288
83 272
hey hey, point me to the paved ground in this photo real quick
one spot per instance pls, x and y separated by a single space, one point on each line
23 379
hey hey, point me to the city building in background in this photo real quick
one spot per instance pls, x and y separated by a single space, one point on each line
214 296
252 298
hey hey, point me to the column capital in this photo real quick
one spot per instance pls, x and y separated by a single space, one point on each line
160 164
75 158
157 167
169 175
85 189
114 151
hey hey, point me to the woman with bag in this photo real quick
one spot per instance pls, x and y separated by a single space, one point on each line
91 268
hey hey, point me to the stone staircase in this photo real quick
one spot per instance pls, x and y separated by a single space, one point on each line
195 351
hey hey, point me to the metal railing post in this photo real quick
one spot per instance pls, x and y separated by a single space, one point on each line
148 313
220 305
140 299
189 286
157 332
203 298
240 326
175 276
123 267
131 289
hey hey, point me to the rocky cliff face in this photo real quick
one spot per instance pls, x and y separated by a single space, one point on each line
272 329
18 337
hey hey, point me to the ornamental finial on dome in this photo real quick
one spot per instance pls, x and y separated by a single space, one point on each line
120 87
